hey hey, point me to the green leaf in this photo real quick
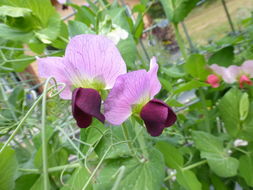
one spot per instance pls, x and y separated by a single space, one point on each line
8 168
117 151
50 33
148 175
85 14
218 183
223 57
218 159
229 110
14 11
188 180
26 181
173 72
77 180
244 106
128 50
246 132
245 168
176 11
76 28
9 33
174 103
172 156
196 67
183 8
193 84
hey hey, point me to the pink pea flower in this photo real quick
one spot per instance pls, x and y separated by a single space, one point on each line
241 74
91 64
246 73
133 93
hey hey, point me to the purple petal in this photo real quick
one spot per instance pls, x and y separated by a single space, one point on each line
86 103
155 85
93 58
247 68
157 115
129 89
54 67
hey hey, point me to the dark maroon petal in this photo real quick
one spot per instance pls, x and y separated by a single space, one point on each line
157 115
86 103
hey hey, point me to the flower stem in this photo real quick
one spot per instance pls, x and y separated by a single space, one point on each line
194 165
180 41
204 106
187 168
43 138
127 138
53 169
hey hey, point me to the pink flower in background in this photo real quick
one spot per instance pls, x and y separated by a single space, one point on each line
213 80
133 93
241 74
91 64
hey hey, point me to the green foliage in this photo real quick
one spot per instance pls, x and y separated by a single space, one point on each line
223 57
145 174
196 67
229 108
218 158
8 168
176 11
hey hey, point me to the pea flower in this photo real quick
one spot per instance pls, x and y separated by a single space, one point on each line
241 74
133 94
91 64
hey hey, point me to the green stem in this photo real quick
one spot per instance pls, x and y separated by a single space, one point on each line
194 165
20 124
26 116
53 169
8 103
180 41
127 138
204 106
187 168
140 139
120 173
99 164
228 16
43 138
192 48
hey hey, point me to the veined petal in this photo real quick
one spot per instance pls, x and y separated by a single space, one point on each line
129 90
155 85
86 103
130 93
247 68
94 58
54 67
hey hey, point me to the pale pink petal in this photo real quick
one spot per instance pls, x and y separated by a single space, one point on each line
130 89
155 85
62 1
94 58
54 67
228 74
247 68
231 74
